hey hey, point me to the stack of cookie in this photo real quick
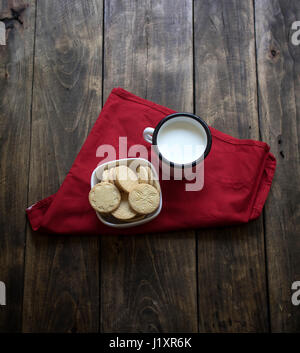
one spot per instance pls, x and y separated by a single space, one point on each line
126 193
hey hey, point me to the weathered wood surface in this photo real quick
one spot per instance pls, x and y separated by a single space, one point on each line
231 263
149 282
16 62
278 62
203 55
62 277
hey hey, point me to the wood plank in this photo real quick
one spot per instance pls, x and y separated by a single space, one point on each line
149 281
62 277
279 97
231 263
16 59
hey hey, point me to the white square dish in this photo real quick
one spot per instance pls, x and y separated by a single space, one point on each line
110 220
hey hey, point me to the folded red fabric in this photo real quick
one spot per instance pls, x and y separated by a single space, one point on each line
238 177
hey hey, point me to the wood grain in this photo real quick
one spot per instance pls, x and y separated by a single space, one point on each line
149 281
61 273
279 97
50 95
15 103
231 262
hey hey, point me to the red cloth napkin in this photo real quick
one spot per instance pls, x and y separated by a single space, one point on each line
238 177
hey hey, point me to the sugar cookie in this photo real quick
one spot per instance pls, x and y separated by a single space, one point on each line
143 174
105 175
126 178
124 211
135 219
150 176
104 197
112 175
153 181
144 198
156 185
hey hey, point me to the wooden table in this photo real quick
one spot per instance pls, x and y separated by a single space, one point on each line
233 63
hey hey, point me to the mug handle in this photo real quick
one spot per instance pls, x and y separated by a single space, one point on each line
148 133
